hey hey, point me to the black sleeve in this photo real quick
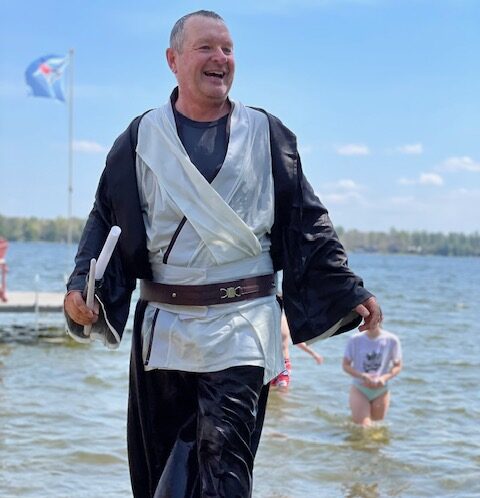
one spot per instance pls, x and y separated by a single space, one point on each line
320 291
116 288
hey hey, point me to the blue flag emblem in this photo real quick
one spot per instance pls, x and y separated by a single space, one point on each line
44 76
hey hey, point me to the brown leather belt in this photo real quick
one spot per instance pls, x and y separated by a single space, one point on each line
209 294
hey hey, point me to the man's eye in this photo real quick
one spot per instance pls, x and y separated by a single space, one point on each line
227 50
205 47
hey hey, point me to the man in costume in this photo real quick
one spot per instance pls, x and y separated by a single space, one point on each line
212 202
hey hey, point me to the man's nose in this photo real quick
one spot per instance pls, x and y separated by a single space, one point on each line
220 56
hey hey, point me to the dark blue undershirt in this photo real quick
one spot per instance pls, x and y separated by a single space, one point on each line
205 142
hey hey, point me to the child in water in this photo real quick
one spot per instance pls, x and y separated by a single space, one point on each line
372 358
282 381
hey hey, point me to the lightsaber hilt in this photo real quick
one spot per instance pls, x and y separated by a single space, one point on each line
90 298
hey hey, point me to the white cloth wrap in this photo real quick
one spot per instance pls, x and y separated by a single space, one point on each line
225 238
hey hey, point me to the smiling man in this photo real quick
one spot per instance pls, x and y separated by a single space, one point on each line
212 202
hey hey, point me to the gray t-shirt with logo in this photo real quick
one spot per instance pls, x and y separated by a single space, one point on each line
374 356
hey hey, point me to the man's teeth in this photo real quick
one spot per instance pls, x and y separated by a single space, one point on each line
211 73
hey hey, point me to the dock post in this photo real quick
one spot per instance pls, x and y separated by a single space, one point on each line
37 279
3 270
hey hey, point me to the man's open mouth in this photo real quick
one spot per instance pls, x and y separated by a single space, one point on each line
215 74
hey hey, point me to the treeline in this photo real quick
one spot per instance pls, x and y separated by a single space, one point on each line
418 242
394 241
38 229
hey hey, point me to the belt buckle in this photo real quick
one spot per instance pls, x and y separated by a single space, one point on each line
230 292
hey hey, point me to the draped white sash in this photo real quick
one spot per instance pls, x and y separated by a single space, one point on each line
207 206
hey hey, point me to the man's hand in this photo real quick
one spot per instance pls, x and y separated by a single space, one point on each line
371 313
78 311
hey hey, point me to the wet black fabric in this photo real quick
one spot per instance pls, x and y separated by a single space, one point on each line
192 435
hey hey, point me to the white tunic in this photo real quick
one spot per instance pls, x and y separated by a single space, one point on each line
225 238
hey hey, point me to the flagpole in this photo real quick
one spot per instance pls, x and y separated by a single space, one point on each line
70 145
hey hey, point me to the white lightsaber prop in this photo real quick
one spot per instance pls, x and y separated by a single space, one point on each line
107 251
97 269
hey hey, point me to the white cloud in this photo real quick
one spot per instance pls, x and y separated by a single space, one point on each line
344 192
348 184
406 181
342 198
436 209
423 179
88 147
430 179
411 149
461 163
344 184
352 150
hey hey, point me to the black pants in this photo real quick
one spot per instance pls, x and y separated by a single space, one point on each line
193 435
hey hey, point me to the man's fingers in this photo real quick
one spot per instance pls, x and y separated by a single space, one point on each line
371 313
362 311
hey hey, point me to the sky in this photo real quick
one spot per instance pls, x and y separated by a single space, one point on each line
383 95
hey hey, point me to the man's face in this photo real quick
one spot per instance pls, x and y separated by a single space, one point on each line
205 66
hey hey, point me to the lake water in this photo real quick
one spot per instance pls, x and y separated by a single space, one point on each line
63 406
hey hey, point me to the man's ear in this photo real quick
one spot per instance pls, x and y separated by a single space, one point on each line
172 59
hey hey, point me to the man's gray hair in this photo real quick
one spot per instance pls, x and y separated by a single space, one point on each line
178 31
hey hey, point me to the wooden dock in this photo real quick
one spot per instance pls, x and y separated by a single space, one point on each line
32 302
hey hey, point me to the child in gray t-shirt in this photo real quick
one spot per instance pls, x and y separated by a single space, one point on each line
372 358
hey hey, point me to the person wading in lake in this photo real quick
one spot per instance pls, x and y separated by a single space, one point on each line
282 381
212 202
372 358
